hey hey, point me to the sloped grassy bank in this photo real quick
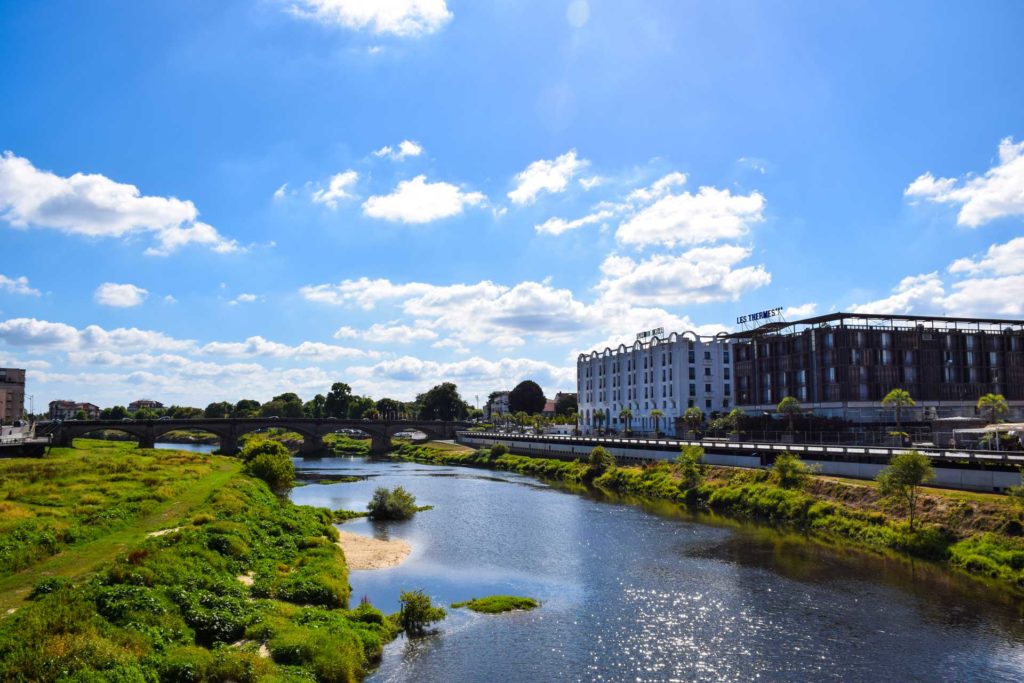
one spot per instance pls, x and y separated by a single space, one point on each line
978 535
248 587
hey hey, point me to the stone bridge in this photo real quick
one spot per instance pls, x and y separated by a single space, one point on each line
230 430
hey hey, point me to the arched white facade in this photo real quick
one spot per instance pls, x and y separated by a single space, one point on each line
669 374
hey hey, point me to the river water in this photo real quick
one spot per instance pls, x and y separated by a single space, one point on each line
635 592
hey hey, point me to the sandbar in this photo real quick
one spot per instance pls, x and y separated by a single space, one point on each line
364 552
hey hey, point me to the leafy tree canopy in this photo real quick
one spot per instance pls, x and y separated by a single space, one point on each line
338 399
527 397
442 403
566 404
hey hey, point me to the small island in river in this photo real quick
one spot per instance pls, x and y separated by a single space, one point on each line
496 604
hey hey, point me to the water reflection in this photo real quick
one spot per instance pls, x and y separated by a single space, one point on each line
647 592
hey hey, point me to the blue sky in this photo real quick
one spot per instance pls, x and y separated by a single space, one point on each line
204 201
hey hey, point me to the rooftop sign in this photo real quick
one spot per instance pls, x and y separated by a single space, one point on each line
650 333
760 315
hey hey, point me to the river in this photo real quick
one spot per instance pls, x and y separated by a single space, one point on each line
648 593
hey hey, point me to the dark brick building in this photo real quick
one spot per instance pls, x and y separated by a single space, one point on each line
843 364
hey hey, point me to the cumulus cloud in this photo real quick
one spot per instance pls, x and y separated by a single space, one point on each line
1000 259
43 334
914 294
417 201
281 192
556 226
697 276
997 193
403 18
337 188
244 298
406 148
546 176
120 295
391 333
801 311
17 285
94 206
258 346
711 215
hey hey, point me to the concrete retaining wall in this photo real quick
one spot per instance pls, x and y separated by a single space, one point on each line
951 477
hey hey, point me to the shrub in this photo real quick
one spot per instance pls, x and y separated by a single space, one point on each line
690 469
902 478
391 505
498 450
263 447
274 468
600 459
789 471
418 613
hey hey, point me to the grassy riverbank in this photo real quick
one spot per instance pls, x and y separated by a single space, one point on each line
239 585
978 534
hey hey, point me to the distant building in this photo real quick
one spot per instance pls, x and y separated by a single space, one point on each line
12 394
666 373
549 408
68 410
497 405
136 406
843 364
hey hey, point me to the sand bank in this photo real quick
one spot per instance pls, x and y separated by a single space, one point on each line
364 552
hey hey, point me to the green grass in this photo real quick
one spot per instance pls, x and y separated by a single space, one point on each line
131 607
496 604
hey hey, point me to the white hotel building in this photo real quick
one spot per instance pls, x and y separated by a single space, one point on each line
668 373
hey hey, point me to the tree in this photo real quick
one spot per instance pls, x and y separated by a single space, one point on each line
396 504
417 613
657 415
146 414
338 399
694 418
902 478
600 459
690 467
527 397
626 415
389 408
566 405
789 471
359 406
283 405
80 415
598 418
734 418
115 413
898 399
315 407
790 407
217 411
269 461
442 403
995 404
247 407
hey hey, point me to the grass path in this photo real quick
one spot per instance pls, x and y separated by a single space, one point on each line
79 561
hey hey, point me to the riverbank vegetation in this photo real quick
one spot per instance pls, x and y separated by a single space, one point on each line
497 604
238 584
393 505
979 534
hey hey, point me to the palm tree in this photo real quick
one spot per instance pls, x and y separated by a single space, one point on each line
995 404
694 418
657 415
898 399
790 407
626 415
598 418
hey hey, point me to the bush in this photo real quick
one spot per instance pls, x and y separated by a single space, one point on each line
391 505
418 613
274 468
498 450
600 459
690 469
257 447
789 471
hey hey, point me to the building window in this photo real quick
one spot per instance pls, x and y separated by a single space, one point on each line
707 355
693 390
707 372
728 388
725 356
707 388
725 374
690 356
725 403
693 373
707 403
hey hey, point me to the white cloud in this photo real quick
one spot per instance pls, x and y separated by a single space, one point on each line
997 193
169 299
406 148
556 226
258 346
1000 259
404 18
697 276
281 192
546 176
683 219
243 299
801 311
659 188
43 334
337 188
17 285
92 205
120 296
591 182
417 201
914 294
388 334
